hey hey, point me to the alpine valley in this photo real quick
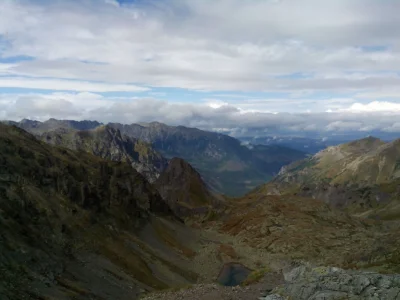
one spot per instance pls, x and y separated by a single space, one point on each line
114 211
226 165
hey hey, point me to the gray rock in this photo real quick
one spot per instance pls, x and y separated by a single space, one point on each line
327 283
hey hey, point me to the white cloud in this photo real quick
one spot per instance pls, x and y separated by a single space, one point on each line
231 45
375 106
215 103
224 118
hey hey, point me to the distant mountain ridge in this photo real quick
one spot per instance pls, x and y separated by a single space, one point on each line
37 127
227 166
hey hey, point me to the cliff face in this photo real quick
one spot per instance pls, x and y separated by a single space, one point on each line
109 143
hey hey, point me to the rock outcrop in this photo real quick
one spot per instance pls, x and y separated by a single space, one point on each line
329 283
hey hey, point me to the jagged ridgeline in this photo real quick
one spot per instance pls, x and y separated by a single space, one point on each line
108 143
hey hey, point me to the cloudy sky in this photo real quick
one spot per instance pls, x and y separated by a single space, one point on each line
300 66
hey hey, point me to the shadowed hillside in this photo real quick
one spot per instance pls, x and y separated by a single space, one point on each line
71 223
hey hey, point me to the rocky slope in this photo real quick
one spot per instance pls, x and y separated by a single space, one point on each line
360 176
109 143
73 225
185 191
310 230
329 283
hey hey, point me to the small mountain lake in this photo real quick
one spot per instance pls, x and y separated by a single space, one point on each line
233 274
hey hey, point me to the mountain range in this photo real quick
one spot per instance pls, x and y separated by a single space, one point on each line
79 219
227 166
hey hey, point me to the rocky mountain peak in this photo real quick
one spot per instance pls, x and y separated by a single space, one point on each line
184 189
179 168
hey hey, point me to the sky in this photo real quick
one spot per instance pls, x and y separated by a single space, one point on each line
301 67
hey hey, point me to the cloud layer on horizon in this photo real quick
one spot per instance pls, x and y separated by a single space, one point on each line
222 117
